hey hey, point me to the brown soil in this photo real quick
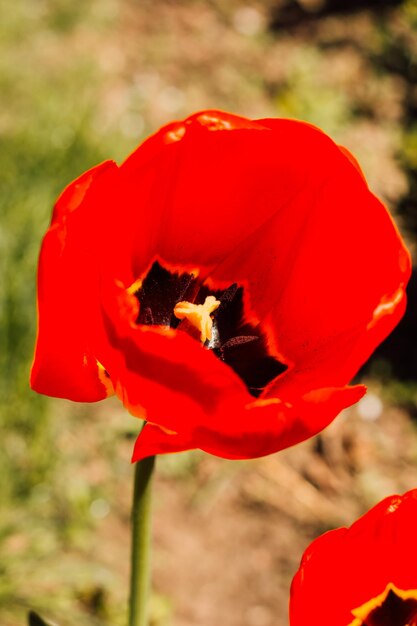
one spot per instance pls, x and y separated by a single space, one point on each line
228 536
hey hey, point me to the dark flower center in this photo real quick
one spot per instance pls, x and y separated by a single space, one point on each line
394 611
241 345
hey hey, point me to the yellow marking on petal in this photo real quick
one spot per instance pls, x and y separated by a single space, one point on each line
134 287
387 306
175 134
214 122
105 379
198 315
262 402
362 613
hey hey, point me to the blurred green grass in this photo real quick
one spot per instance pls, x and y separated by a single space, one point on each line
48 102
45 142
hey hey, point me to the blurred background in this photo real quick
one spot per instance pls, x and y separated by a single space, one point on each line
85 81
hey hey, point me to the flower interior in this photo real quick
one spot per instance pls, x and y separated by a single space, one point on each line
214 317
393 607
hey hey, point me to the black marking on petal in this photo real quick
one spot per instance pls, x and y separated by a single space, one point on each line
251 361
241 345
238 341
159 293
147 317
394 611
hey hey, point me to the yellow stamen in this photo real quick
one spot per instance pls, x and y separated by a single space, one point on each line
198 315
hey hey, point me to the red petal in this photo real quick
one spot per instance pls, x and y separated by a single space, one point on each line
64 366
317 251
264 427
327 272
345 568
169 379
159 372
219 181
252 431
154 440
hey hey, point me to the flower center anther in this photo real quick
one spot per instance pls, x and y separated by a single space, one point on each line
180 300
198 315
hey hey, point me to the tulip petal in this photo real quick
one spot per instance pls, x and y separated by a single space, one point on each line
155 440
326 274
207 187
161 374
167 378
267 426
64 365
348 568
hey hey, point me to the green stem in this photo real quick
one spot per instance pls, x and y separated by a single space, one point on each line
141 544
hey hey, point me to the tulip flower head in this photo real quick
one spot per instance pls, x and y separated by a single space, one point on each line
226 282
364 575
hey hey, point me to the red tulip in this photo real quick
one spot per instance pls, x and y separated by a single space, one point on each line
364 575
270 220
